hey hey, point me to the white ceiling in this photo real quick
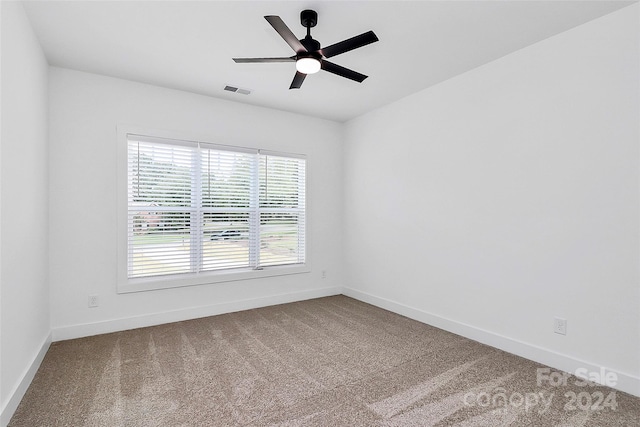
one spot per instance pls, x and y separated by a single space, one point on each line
189 45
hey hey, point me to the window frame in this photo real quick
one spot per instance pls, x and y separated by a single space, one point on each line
126 284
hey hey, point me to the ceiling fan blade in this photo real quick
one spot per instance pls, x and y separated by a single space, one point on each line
284 31
342 71
349 44
250 60
297 80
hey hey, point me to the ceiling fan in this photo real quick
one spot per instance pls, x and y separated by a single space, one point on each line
309 57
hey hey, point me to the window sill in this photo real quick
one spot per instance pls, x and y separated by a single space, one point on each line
175 281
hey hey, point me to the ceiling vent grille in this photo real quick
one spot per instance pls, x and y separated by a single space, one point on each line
237 90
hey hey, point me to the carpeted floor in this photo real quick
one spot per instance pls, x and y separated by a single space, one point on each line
326 362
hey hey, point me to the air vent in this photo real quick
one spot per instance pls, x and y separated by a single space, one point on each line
237 90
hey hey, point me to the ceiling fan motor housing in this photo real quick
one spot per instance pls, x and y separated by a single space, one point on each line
310 44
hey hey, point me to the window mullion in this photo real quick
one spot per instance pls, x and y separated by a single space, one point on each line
196 211
254 214
302 194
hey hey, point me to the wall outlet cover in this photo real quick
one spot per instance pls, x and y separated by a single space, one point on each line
93 301
560 326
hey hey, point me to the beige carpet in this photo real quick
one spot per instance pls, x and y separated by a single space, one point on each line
326 362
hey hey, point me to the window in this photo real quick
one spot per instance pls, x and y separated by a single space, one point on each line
202 212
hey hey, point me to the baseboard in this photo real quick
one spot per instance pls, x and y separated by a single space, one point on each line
625 382
16 395
115 325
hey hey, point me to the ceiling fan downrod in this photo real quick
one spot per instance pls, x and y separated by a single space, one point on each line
309 19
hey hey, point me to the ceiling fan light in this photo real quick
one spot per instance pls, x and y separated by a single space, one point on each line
308 65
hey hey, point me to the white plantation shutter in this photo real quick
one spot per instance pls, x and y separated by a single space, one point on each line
282 213
227 187
160 208
195 207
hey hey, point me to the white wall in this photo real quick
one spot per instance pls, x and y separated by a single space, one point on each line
498 199
25 333
507 196
84 112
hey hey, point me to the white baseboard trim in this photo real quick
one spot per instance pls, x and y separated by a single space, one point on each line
625 382
88 329
16 395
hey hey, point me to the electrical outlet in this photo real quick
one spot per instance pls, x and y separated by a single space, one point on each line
560 326
93 301
324 274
